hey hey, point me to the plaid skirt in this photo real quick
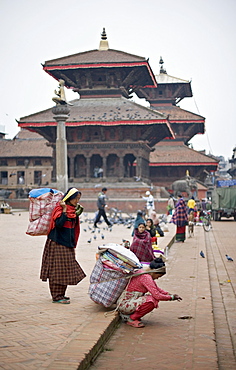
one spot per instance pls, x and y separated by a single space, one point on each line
59 265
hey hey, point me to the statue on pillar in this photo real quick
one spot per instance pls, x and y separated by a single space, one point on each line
60 99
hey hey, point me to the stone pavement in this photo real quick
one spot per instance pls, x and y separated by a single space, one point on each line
36 334
186 335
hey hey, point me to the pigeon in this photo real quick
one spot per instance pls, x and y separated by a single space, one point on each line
94 237
102 236
85 229
228 257
89 241
202 254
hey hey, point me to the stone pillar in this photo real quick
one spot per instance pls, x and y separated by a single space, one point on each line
61 114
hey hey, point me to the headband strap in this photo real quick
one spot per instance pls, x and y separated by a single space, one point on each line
70 193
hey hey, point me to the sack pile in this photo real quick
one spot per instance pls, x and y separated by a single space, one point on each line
108 278
42 203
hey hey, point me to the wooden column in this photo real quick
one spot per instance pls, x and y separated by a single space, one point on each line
87 168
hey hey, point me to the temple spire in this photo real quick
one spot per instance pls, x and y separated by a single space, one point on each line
103 42
161 62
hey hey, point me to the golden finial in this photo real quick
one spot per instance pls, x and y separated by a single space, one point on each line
103 42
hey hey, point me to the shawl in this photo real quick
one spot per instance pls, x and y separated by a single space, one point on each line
180 216
70 213
154 218
142 246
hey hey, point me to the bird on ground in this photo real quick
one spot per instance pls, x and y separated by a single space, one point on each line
94 237
228 257
102 236
99 231
89 228
93 231
89 241
202 254
85 229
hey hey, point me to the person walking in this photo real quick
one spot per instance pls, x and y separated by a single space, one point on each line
59 265
149 203
191 204
101 204
180 219
142 294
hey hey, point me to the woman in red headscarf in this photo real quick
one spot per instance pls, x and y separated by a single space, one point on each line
58 263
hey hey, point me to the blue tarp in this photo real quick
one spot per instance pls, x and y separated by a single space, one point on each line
37 192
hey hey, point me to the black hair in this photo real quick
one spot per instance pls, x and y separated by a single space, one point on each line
139 213
104 189
141 223
157 263
149 219
72 196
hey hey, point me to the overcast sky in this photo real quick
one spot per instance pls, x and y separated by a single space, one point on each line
196 39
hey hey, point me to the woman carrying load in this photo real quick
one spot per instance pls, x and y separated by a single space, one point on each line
134 303
58 262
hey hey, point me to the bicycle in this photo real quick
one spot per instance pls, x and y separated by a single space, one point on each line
206 220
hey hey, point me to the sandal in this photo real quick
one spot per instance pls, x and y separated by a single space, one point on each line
135 323
63 301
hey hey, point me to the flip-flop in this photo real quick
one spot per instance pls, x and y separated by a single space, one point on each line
135 324
63 301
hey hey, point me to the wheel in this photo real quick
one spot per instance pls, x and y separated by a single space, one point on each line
215 216
206 224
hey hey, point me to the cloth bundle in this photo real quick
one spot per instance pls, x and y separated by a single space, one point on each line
108 278
42 203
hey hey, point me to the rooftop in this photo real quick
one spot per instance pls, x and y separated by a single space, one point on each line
172 153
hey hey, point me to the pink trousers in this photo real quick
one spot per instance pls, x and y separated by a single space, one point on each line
142 310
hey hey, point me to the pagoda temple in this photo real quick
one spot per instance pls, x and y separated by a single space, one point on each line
172 158
105 128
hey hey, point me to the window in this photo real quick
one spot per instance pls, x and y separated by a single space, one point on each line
38 162
3 178
20 177
38 177
20 162
3 162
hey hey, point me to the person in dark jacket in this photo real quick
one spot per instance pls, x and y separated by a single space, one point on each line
150 227
101 204
139 219
59 265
